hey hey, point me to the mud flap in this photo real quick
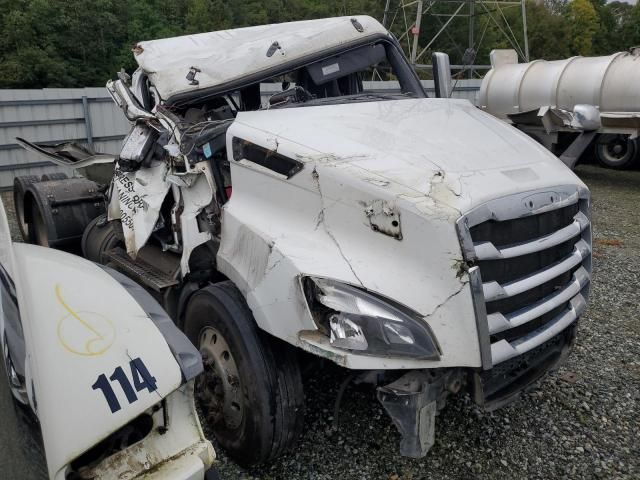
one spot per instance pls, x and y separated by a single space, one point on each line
411 402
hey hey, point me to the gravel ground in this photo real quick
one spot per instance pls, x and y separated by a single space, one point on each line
581 422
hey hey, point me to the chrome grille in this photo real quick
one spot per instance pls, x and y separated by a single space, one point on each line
530 257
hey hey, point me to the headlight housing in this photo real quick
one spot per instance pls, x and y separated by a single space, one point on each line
360 321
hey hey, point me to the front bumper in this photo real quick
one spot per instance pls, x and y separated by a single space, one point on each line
413 400
503 383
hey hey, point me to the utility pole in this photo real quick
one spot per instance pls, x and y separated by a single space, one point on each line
472 47
492 11
386 12
416 33
524 28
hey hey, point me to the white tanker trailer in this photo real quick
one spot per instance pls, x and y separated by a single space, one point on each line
568 105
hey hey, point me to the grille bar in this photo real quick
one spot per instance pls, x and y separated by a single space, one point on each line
499 322
495 291
504 350
488 251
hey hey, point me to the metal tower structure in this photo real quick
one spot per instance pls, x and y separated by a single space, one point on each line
405 17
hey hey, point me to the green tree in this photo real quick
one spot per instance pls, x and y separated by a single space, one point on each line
584 24
549 33
630 28
207 16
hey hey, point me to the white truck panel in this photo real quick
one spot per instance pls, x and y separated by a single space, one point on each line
219 60
94 327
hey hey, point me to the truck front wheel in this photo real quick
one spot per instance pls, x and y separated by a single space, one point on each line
250 393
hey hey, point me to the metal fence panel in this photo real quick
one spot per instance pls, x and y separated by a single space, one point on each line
87 115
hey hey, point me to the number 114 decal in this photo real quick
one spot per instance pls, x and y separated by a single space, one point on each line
141 379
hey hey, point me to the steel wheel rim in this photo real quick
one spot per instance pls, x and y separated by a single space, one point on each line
617 150
219 388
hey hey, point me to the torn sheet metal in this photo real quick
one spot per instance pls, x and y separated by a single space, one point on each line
127 101
384 218
140 195
197 196
68 154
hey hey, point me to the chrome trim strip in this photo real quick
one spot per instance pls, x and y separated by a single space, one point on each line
495 291
503 350
480 308
499 322
526 203
488 251
522 204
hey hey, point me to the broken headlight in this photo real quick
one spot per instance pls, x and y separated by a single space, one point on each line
357 320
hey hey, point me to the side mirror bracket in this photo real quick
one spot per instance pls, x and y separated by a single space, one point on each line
127 101
441 74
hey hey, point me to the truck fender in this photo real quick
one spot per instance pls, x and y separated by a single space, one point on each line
98 357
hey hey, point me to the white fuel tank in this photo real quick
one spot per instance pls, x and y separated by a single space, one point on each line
611 83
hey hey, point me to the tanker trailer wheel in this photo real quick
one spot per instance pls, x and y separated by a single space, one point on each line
250 393
617 151
20 185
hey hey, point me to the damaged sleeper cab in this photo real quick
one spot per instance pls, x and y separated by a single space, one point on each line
277 201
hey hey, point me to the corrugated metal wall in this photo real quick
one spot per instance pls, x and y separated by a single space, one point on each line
54 115
88 115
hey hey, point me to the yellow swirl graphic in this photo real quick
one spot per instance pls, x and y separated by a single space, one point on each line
84 333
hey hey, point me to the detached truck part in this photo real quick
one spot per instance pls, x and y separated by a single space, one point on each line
568 105
423 244
100 366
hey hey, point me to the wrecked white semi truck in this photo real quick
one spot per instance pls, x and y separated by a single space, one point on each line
419 242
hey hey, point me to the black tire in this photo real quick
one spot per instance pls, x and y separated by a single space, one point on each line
20 185
617 151
270 385
38 232
98 238
54 176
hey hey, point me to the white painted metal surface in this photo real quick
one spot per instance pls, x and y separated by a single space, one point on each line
408 153
219 60
609 83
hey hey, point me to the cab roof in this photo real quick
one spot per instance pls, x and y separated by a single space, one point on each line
191 63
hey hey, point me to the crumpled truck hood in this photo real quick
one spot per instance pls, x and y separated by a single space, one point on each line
423 145
375 205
